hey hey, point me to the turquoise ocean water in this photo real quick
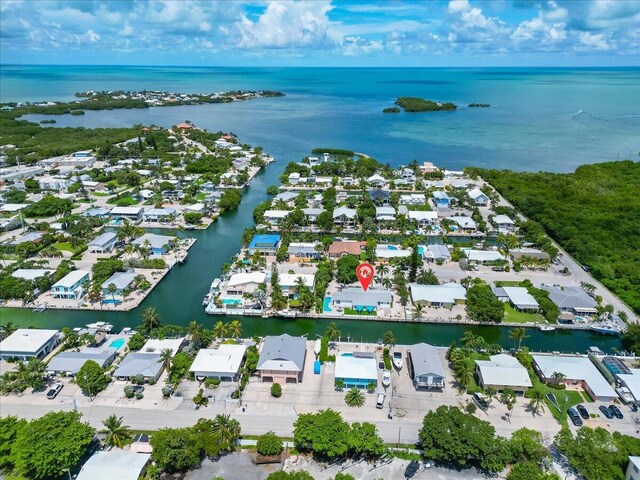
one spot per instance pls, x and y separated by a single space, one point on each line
540 119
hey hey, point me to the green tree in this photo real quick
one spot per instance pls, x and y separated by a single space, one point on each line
9 430
150 319
526 446
508 397
166 357
324 433
91 378
176 449
136 341
483 305
7 329
282 475
537 396
116 433
235 329
530 471
226 431
269 444
219 329
364 440
389 339
631 338
333 333
50 445
354 397
346 269
518 334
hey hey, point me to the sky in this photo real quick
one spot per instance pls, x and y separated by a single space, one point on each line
382 33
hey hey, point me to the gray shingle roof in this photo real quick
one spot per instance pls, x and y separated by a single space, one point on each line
425 360
72 361
282 353
137 363
569 297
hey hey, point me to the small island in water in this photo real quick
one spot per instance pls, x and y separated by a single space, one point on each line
479 105
391 110
416 104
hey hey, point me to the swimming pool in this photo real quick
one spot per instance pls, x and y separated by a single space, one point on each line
117 343
348 354
327 304
231 301
391 247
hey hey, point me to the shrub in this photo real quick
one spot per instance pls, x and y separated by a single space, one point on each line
128 391
269 444
139 396
200 399
276 390
137 379
152 381
212 382
167 390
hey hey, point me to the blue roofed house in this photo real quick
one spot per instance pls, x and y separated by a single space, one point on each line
266 244
356 369
71 286
157 244
122 281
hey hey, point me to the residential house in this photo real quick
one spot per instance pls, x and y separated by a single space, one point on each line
146 194
478 197
312 214
376 180
31 273
345 216
521 299
266 244
159 345
200 208
286 196
99 212
222 363
504 224
356 369
381 198
71 286
26 343
56 182
387 252
465 223
355 298
147 365
240 284
304 252
633 469
413 199
446 295
435 253
159 215
274 217
339 249
69 363
503 372
294 178
282 359
425 366
483 257
103 243
424 218
122 281
385 214
131 214
572 300
157 244
518 253
574 370
289 283
115 464
441 199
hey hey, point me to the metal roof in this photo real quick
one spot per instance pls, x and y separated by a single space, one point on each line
357 296
575 368
138 363
116 463
503 369
27 340
425 360
283 352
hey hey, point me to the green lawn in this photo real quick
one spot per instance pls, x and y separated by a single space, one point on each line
101 194
64 246
508 283
514 316
566 399
352 311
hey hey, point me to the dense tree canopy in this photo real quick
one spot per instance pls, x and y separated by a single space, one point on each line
346 269
483 305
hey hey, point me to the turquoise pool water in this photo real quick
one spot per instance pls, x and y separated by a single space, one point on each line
421 251
391 247
231 301
117 343
327 304
348 354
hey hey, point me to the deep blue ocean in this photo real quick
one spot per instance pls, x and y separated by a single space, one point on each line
540 119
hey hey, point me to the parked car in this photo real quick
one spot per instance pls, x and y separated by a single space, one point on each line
480 401
398 362
574 416
582 411
386 378
54 390
605 411
380 400
615 411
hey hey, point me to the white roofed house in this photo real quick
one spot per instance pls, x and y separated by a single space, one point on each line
357 299
413 199
71 286
344 216
504 224
424 218
303 252
436 253
356 369
115 464
157 244
289 283
446 295
312 214
503 372
222 363
274 217
294 178
478 197
243 283
121 281
425 366
521 299
31 273
159 215
465 223
385 214
132 214
26 343
103 243
376 180
483 257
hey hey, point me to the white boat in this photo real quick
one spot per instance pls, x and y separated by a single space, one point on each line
605 328
546 328
398 362
207 300
107 327
386 378
287 314
215 284
317 346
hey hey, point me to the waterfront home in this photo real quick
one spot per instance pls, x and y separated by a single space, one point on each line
503 372
355 298
196 208
286 196
413 199
356 369
441 199
156 244
282 359
312 214
266 244
131 214
376 180
274 217
339 249
26 343
385 214
31 273
222 363
147 365
427 167
99 212
289 283
380 197
446 295
122 281
71 286
478 197
69 363
436 253
425 366
574 370
571 300
519 253
385 253
157 345
158 215
465 223
424 218
504 224
240 284
294 178
345 216
240 163
103 243
483 257
115 464
520 299
304 252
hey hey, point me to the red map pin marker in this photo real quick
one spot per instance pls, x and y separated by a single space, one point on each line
365 272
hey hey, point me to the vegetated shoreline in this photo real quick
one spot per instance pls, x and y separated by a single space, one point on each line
417 104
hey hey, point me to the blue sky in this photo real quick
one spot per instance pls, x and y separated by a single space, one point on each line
322 32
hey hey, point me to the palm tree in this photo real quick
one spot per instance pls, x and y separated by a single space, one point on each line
150 319
389 339
7 329
226 430
354 397
464 373
508 397
332 332
112 289
300 285
219 330
383 270
518 334
165 358
537 400
235 329
558 376
117 433
490 393
469 340
196 332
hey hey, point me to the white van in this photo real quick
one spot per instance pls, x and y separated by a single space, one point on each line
380 401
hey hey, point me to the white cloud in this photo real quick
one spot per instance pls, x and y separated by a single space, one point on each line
92 36
126 31
205 27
